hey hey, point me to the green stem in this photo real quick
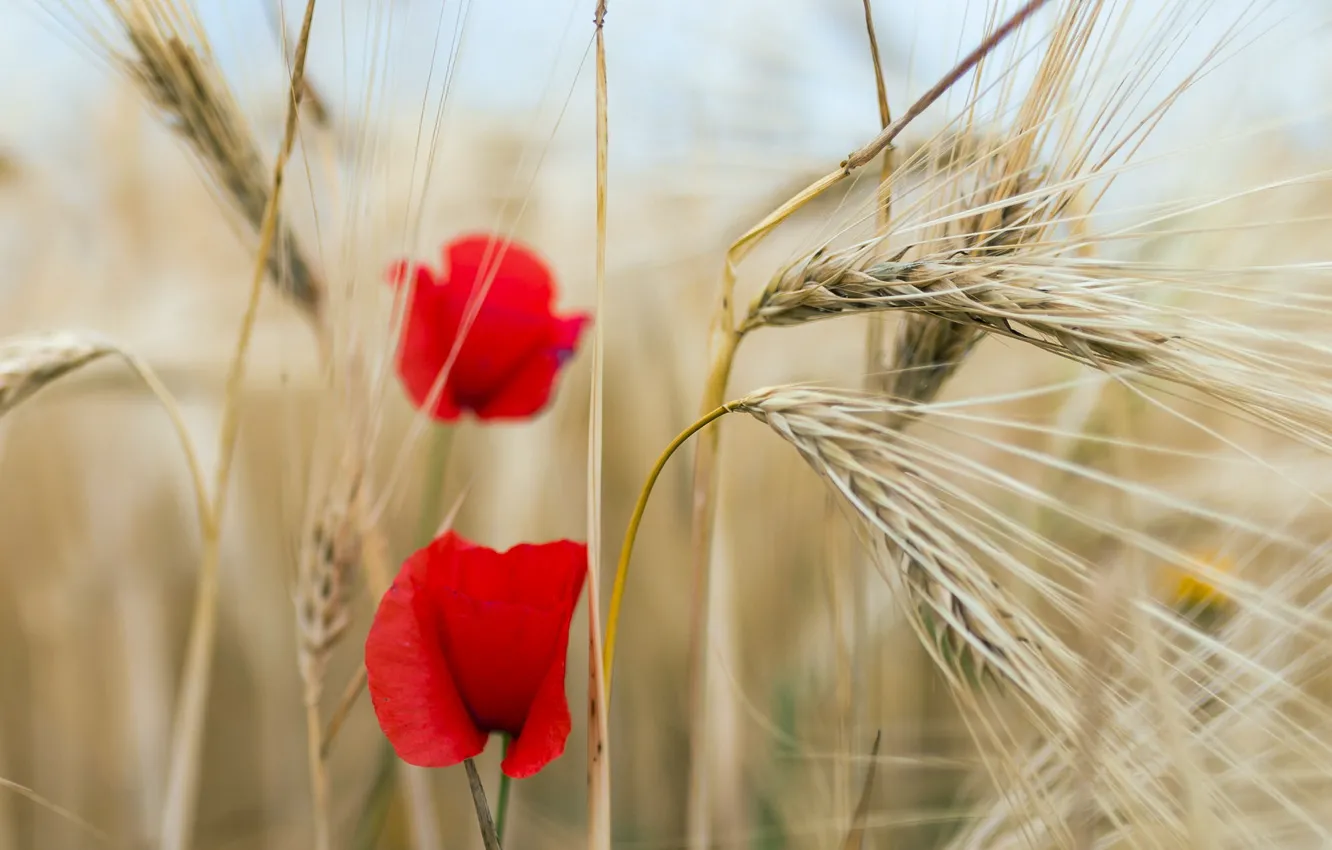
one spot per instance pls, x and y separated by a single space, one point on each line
432 496
631 534
375 811
502 805
375 808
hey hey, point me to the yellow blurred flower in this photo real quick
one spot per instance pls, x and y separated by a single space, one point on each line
1190 593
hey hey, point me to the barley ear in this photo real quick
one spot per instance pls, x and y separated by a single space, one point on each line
29 363
187 88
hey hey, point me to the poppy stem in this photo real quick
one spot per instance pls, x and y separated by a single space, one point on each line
502 805
631 534
432 496
483 818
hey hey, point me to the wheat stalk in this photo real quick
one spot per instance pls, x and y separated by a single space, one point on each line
598 661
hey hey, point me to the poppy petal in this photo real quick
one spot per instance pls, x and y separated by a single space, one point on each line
527 392
427 338
498 654
528 389
543 735
511 327
515 271
568 330
413 692
537 576
503 620
498 350
513 348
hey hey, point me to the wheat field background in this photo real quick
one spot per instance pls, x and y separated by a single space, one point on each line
718 113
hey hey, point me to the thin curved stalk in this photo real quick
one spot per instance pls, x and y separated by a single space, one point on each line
631 535
168 401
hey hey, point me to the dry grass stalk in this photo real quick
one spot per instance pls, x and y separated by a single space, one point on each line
852 657
61 812
598 677
855 836
314 103
187 732
867 152
182 81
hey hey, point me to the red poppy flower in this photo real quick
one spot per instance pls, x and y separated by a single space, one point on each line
514 347
470 641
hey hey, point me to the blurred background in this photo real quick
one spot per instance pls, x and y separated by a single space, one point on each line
719 112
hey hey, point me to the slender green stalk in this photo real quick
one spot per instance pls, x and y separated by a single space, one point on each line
502 805
432 496
631 534
378 801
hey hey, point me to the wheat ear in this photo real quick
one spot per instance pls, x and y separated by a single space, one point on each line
182 81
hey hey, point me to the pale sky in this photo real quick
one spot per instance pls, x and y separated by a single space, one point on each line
730 76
